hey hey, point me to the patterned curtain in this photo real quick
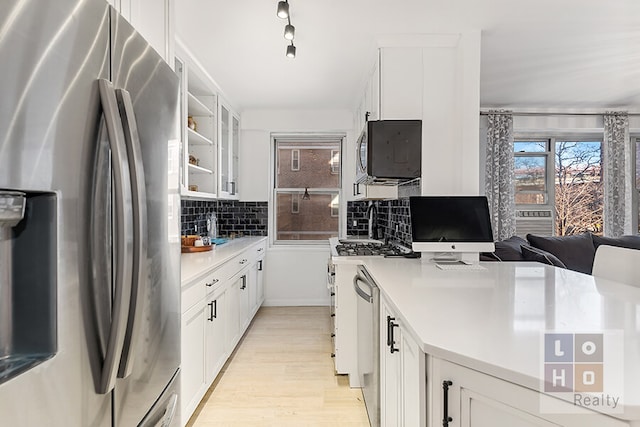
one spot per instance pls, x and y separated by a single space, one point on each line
499 185
616 137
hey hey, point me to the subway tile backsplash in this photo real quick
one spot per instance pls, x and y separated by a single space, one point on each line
390 214
234 217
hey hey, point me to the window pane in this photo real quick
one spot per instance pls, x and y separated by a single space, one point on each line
311 168
578 187
314 219
530 172
530 146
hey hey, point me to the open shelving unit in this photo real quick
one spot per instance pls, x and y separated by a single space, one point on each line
199 177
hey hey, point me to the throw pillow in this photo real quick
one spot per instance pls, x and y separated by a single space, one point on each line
629 241
534 254
576 252
508 250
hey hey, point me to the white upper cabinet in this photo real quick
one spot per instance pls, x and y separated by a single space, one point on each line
199 172
154 20
229 151
401 76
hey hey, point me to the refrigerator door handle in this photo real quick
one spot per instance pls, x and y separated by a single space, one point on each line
124 229
140 243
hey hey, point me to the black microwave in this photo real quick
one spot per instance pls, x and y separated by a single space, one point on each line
389 151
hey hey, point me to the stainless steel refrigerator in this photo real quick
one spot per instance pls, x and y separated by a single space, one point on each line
89 268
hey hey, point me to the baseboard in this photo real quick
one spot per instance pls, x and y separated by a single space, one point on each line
295 302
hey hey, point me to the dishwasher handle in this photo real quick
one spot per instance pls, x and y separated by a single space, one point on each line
365 296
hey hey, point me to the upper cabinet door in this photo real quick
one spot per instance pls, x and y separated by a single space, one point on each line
229 152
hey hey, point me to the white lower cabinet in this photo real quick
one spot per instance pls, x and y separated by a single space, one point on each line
216 315
345 325
193 382
216 311
475 399
403 379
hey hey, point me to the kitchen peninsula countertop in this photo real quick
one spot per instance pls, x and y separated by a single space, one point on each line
493 321
196 264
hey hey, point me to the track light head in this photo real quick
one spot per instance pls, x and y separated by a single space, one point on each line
291 51
283 9
289 31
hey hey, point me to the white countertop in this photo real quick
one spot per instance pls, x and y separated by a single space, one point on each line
193 265
493 321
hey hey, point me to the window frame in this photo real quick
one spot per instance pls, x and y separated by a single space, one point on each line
336 138
549 172
553 139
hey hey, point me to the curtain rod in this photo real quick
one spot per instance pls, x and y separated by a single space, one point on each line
484 112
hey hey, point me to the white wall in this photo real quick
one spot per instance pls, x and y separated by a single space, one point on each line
295 275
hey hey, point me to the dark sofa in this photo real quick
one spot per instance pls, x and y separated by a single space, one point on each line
574 252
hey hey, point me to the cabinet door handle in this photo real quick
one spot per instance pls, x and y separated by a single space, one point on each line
244 282
259 265
233 188
390 338
446 419
354 189
243 261
213 282
260 249
213 310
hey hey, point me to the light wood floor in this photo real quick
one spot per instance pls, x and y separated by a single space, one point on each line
282 374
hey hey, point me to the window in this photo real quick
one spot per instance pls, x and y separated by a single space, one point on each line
530 168
335 162
569 181
296 216
295 160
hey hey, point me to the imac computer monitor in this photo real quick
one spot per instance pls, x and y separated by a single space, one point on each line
450 224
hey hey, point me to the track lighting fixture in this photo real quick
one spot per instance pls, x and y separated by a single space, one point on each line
306 195
291 51
283 9
289 30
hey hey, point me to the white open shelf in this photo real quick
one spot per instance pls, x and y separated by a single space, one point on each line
197 139
197 107
199 169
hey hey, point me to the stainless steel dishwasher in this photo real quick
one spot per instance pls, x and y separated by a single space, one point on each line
368 308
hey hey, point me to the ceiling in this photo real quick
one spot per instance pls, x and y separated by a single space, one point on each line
543 54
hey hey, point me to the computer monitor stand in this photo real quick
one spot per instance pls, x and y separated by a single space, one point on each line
449 257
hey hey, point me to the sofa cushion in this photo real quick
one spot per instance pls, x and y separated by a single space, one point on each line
508 250
629 241
534 254
576 251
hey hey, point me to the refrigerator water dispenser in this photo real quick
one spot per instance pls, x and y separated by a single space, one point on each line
27 280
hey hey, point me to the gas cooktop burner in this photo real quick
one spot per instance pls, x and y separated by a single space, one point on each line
366 249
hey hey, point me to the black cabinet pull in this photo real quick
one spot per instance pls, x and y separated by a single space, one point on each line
333 293
333 355
260 265
215 309
390 339
354 189
213 282
244 282
446 419
333 315
333 335
212 315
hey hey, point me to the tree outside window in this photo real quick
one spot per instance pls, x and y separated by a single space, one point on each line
579 198
573 187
